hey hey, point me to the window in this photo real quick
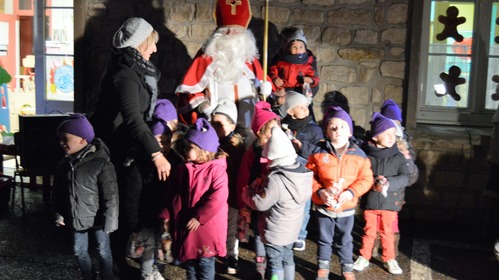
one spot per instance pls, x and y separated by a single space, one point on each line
471 54
59 59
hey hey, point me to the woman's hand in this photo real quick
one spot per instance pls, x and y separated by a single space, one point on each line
162 166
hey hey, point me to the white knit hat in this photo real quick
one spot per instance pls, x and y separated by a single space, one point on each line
279 149
227 108
294 99
298 35
132 33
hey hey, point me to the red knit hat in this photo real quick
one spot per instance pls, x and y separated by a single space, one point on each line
232 12
263 114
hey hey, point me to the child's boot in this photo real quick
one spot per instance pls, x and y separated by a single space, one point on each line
347 271
323 271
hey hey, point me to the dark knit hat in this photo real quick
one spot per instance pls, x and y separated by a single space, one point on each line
337 112
391 110
379 124
77 124
203 135
263 114
132 33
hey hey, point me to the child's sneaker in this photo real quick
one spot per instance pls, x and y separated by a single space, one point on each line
154 276
299 245
348 275
360 264
231 265
322 274
393 267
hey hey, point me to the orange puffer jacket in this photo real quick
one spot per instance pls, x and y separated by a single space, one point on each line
353 166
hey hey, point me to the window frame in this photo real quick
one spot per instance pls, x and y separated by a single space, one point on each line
473 114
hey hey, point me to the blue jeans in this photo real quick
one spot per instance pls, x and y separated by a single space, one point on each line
200 269
306 217
279 256
341 230
83 258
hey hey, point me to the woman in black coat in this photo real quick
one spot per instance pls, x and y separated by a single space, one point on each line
126 103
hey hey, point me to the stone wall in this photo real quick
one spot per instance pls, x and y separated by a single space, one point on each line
361 51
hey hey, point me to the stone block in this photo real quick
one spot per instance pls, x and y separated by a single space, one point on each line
397 13
348 17
394 92
201 32
339 73
394 36
377 95
182 12
307 16
204 12
325 55
393 69
356 95
179 30
366 36
279 14
361 54
336 36
366 74
353 2
440 179
397 52
319 2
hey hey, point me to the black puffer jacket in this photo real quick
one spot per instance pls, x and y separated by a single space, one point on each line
86 191
392 164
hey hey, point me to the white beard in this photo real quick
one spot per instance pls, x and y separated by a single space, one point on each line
230 53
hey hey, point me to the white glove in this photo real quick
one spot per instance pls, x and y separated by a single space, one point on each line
265 88
345 196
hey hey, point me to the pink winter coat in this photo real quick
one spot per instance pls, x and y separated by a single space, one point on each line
200 191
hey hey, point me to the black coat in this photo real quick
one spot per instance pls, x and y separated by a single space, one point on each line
122 110
392 164
85 189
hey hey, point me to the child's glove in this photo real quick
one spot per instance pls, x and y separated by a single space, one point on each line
381 185
265 88
344 196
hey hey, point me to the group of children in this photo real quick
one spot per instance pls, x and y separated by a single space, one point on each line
219 188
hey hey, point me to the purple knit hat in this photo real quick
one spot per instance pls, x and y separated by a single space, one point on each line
379 124
77 124
203 135
337 112
164 110
263 114
391 110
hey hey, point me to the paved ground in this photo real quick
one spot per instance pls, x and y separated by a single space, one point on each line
32 248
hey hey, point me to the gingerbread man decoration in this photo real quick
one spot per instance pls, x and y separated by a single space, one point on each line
495 95
452 80
450 22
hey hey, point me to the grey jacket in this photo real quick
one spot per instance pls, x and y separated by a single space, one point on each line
282 201
86 191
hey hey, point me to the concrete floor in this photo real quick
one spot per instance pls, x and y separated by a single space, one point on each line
31 247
